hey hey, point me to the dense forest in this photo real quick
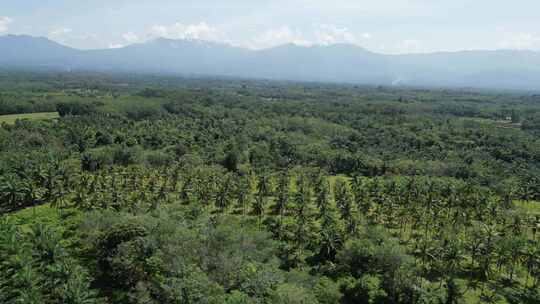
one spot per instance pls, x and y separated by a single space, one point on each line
153 189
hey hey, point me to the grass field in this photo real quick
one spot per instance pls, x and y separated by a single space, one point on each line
531 207
10 119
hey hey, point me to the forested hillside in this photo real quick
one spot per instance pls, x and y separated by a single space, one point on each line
146 189
339 62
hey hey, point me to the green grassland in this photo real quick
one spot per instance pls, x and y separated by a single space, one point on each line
11 119
531 207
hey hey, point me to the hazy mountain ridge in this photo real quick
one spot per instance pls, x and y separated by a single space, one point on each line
339 62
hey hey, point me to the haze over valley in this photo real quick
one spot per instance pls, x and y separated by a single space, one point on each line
505 69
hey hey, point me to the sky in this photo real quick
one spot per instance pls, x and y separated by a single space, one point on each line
384 26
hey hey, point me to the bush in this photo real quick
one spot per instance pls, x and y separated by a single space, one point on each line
292 294
327 291
158 158
126 156
75 108
143 111
97 159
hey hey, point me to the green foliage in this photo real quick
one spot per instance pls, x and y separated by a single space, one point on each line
75 108
366 289
164 190
290 294
35 268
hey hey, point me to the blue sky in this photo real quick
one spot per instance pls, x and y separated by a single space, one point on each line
387 26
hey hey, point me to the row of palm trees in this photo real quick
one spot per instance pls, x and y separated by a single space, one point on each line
450 227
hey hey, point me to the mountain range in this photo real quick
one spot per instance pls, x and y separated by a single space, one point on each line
504 69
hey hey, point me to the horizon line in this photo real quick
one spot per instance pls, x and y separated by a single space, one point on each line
273 47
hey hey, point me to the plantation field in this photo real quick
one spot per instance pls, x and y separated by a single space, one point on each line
11 119
232 191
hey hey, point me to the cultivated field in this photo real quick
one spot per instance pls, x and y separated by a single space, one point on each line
11 119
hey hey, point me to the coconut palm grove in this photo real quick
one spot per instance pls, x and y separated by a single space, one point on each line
162 189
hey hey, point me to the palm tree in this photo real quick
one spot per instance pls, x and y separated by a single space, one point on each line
453 293
263 185
343 200
185 192
15 193
259 206
80 199
330 243
175 178
487 249
58 197
302 200
282 194
531 259
243 194
322 195
223 199
28 281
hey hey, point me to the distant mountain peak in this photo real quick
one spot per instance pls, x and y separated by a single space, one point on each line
14 37
185 41
11 40
334 62
28 43
336 46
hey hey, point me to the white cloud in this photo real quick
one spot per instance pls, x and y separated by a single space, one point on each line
131 37
57 32
319 34
520 41
278 36
199 31
367 35
4 23
322 34
327 34
406 46
72 38
115 46
86 36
